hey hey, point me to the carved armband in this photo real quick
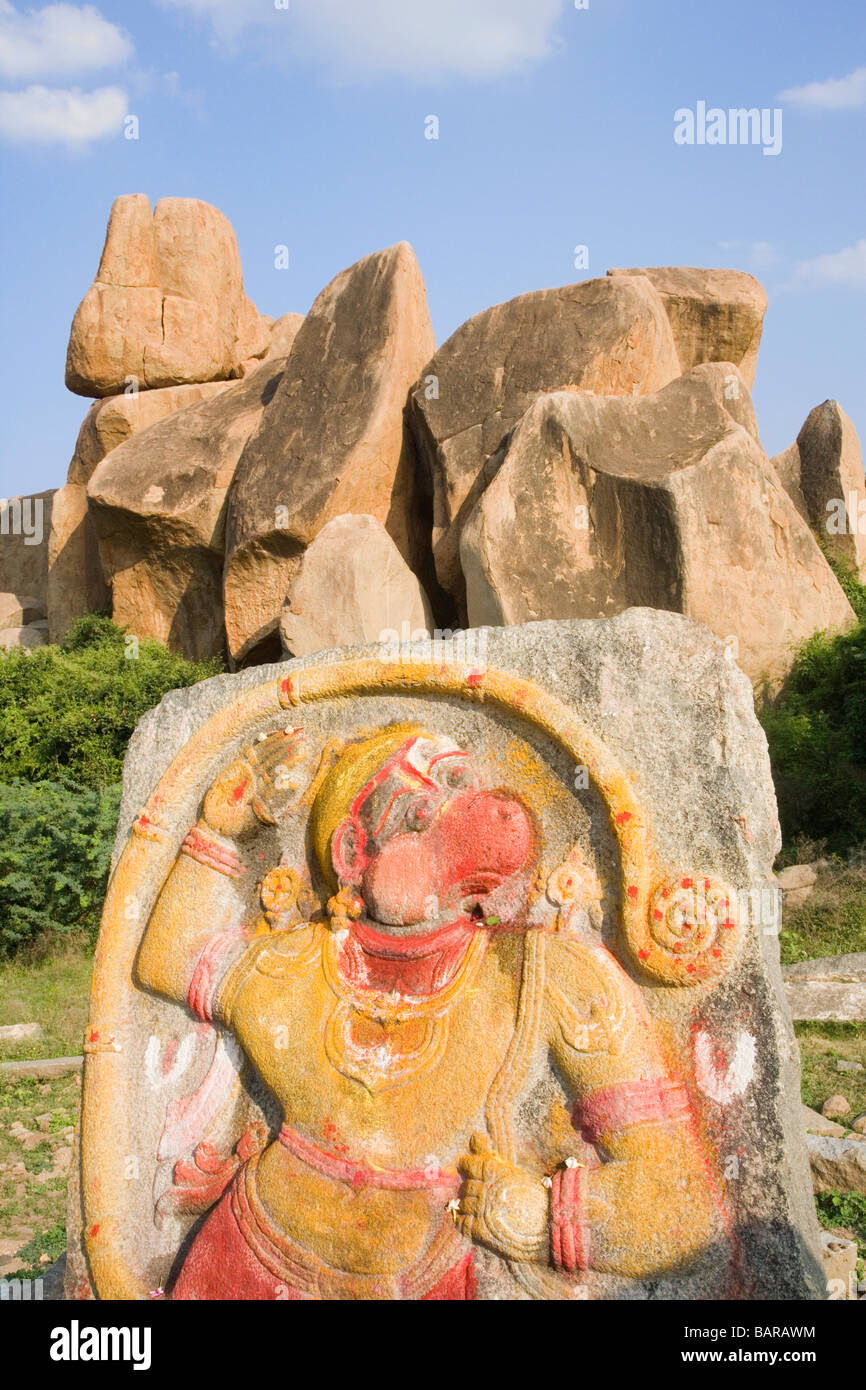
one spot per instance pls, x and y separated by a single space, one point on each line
570 1240
627 1103
211 968
207 850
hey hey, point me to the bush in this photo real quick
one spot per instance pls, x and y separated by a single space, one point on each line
816 729
55 848
67 712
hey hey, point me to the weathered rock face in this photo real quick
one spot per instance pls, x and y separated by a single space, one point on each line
283 333
167 305
612 1000
22 624
669 502
25 523
19 610
609 336
158 504
76 583
29 637
333 441
716 315
823 474
353 587
830 988
114 419
838 1165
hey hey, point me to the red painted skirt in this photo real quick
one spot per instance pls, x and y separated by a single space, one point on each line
238 1254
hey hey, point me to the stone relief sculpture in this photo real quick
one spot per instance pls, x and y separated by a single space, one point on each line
438 1009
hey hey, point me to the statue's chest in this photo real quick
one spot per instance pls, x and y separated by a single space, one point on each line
343 1061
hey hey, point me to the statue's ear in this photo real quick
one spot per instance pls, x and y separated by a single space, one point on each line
347 852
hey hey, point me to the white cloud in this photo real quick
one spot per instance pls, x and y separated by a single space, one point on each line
836 94
845 268
412 38
763 255
39 115
57 41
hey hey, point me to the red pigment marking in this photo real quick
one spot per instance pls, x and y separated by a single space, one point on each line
143 819
706 885
94 1231
729 924
474 679
94 1037
632 892
716 951
287 686
678 945
658 915
623 817
687 883
239 791
170 1052
332 1134
644 955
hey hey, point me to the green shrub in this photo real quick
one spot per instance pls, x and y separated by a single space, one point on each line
816 729
67 712
55 847
843 1209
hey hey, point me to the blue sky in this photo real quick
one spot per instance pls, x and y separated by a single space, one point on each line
306 126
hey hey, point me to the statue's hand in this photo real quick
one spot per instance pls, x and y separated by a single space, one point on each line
255 787
501 1205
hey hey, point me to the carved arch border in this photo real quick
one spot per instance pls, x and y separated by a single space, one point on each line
647 900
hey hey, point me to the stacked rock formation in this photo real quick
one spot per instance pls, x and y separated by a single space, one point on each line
570 453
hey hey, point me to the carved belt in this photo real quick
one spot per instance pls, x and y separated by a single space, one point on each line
312 1278
359 1175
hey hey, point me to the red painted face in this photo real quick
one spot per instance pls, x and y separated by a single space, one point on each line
426 841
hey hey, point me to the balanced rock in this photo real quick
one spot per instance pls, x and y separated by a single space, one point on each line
364 916
168 303
716 315
158 504
332 442
668 501
353 587
823 473
610 336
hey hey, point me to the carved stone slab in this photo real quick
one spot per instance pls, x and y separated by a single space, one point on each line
448 972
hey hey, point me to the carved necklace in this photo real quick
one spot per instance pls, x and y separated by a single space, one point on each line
381 1038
